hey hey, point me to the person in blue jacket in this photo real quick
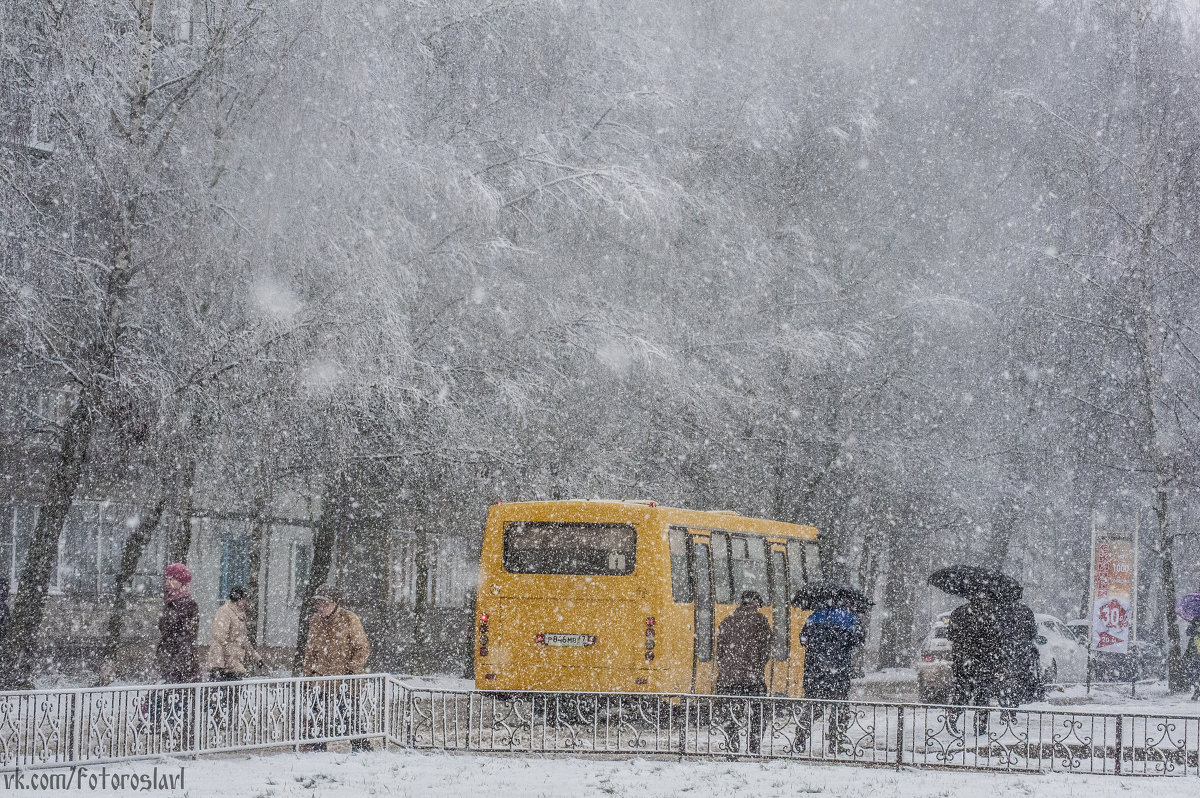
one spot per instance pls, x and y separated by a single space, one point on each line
829 637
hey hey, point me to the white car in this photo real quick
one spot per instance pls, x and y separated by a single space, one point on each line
1061 658
1081 628
935 682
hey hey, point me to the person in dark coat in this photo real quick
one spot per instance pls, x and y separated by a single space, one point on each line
974 635
1191 657
176 653
743 647
829 636
177 628
1018 676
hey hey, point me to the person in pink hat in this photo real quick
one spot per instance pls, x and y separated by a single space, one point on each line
177 628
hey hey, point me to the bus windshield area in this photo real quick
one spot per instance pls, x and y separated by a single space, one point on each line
552 547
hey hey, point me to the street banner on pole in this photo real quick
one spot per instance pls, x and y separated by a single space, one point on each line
1112 591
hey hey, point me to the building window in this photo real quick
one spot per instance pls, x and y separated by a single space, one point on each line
91 547
404 578
21 523
403 587
235 564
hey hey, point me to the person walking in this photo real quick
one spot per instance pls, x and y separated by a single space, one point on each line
1191 657
1017 675
177 628
830 637
229 645
176 651
743 647
337 646
974 634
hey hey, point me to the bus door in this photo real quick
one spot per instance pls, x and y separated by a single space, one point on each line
781 616
803 563
704 632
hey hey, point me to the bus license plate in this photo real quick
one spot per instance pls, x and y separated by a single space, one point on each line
570 641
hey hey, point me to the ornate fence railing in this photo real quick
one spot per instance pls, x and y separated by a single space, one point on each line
57 728
899 735
47 728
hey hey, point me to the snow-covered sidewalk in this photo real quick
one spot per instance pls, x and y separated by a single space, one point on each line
408 773
1152 698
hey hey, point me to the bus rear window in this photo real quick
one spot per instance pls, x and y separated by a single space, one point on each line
550 547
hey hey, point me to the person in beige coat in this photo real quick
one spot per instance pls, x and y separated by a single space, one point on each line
229 645
337 645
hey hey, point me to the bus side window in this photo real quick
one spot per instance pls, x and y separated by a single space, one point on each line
681 579
749 561
720 566
812 561
704 614
781 628
795 558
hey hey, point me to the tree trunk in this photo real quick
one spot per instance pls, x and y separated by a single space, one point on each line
21 640
1152 380
868 579
1000 533
179 534
179 538
259 530
16 655
895 639
324 536
131 555
1176 678
421 595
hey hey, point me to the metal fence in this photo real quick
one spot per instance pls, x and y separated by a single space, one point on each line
898 735
48 728
57 728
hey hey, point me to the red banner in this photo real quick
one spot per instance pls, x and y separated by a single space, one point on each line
1112 594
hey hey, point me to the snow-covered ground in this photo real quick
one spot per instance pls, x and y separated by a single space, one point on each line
406 773
1151 697
437 682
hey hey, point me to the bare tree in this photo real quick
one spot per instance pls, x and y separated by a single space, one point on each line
119 116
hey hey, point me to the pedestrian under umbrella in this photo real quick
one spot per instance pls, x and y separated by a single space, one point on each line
993 653
829 636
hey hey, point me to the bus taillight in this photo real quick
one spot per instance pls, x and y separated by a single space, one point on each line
483 634
649 639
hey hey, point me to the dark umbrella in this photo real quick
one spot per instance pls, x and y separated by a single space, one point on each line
970 580
825 595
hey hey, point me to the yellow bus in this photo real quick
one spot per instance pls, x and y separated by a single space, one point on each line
626 596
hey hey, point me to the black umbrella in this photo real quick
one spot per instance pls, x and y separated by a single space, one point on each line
825 595
970 580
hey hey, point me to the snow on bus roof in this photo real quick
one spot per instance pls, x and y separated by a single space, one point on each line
651 503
